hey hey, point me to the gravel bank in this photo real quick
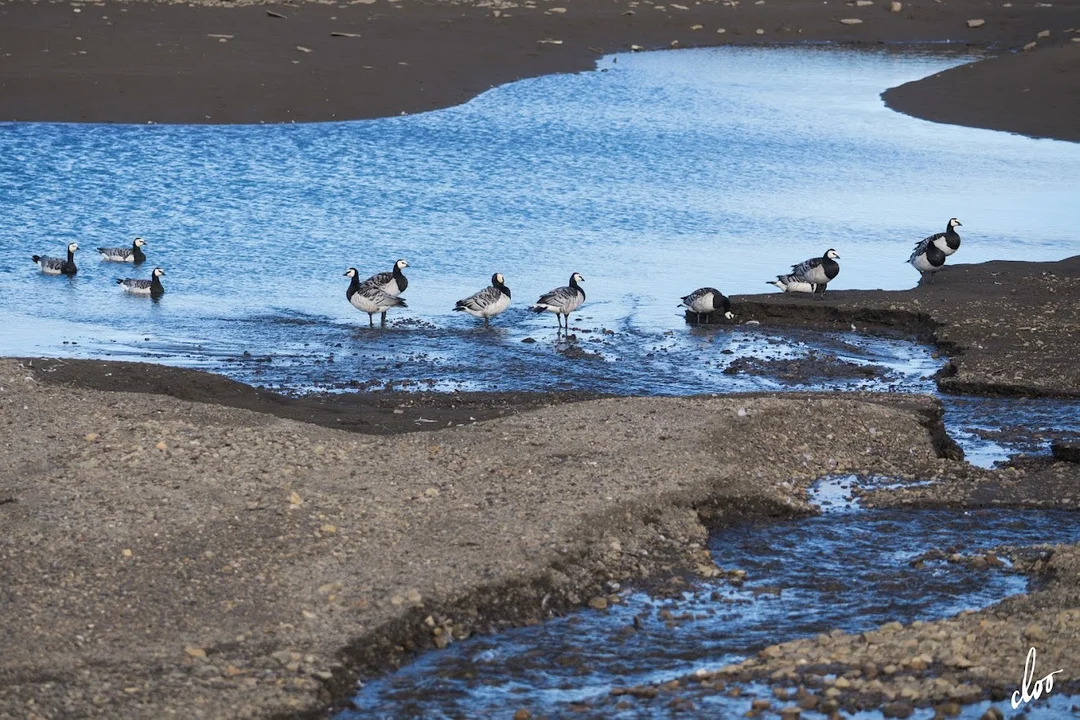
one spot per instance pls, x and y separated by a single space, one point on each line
1009 328
166 557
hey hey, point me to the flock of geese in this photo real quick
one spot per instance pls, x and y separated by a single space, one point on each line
382 292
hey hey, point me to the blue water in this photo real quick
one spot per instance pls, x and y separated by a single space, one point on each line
661 173
847 568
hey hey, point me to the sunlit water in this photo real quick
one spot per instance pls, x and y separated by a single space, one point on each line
803 577
662 173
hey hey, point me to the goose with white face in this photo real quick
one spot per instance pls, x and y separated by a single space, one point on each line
369 298
133 254
151 288
810 276
488 302
58 266
562 300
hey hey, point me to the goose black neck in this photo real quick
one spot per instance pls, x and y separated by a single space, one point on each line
354 286
71 256
495 282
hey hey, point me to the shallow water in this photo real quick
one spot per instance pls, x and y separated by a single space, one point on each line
803 577
660 174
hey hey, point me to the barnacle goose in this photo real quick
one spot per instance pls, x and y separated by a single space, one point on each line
133 254
489 302
927 258
392 283
707 300
150 288
370 298
562 301
58 266
811 275
947 242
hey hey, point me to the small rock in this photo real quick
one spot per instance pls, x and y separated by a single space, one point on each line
1034 632
850 21
195 651
696 27
976 23
721 31
522 714
992 714
90 437
282 657
162 446
294 499
413 595
559 10
598 603
895 6
863 3
1067 451
126 552
303 49
1043 34
1030 46
759 31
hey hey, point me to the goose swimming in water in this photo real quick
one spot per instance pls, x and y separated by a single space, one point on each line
150 288
133 254
489 302
811 275
707 300
58 266
370 298
562 301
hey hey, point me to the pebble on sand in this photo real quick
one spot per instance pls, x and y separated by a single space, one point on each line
850 21
976 23
895 6
1043 34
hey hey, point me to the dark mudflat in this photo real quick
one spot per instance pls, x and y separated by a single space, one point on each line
375 412
211 62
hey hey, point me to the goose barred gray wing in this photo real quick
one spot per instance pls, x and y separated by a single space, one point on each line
803 271
922 245
121 254
478 302
563 298
378 280
51 265
135 285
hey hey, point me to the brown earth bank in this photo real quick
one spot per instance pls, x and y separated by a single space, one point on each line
1009 328
238 62
162 556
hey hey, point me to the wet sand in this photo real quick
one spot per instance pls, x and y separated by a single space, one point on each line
216 62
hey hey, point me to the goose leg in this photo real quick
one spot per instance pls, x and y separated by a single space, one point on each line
486 323
370 320
931 281
384 317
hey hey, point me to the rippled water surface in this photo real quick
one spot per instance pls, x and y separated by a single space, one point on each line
848 568
661 173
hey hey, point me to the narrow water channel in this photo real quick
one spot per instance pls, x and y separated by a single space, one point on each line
849 568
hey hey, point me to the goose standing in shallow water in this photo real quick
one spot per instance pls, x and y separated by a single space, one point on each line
133 254
489 302
150 288
370 298
392 283
562 301
707 300
58 266
811 275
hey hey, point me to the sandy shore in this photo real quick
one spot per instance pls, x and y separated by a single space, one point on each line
234 62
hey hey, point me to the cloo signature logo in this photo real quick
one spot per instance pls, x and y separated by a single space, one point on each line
1029 691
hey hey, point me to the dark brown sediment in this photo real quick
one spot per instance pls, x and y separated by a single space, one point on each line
141 62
